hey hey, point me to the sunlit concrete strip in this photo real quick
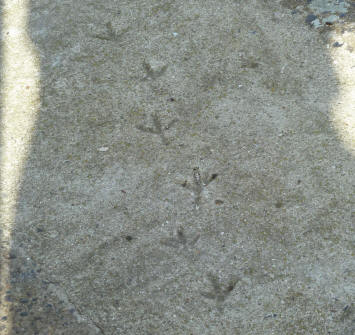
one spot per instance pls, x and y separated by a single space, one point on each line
20 104
342 49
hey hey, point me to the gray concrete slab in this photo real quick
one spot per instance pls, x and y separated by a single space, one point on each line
190 169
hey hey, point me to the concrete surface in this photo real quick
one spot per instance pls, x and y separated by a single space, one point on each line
190 169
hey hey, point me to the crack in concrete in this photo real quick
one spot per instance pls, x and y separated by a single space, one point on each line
62 293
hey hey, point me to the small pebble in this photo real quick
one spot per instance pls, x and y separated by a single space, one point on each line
331 19
310 18
337 45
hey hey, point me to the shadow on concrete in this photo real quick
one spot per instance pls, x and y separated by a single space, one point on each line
134 97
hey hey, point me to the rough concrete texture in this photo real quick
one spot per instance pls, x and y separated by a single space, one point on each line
191 171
